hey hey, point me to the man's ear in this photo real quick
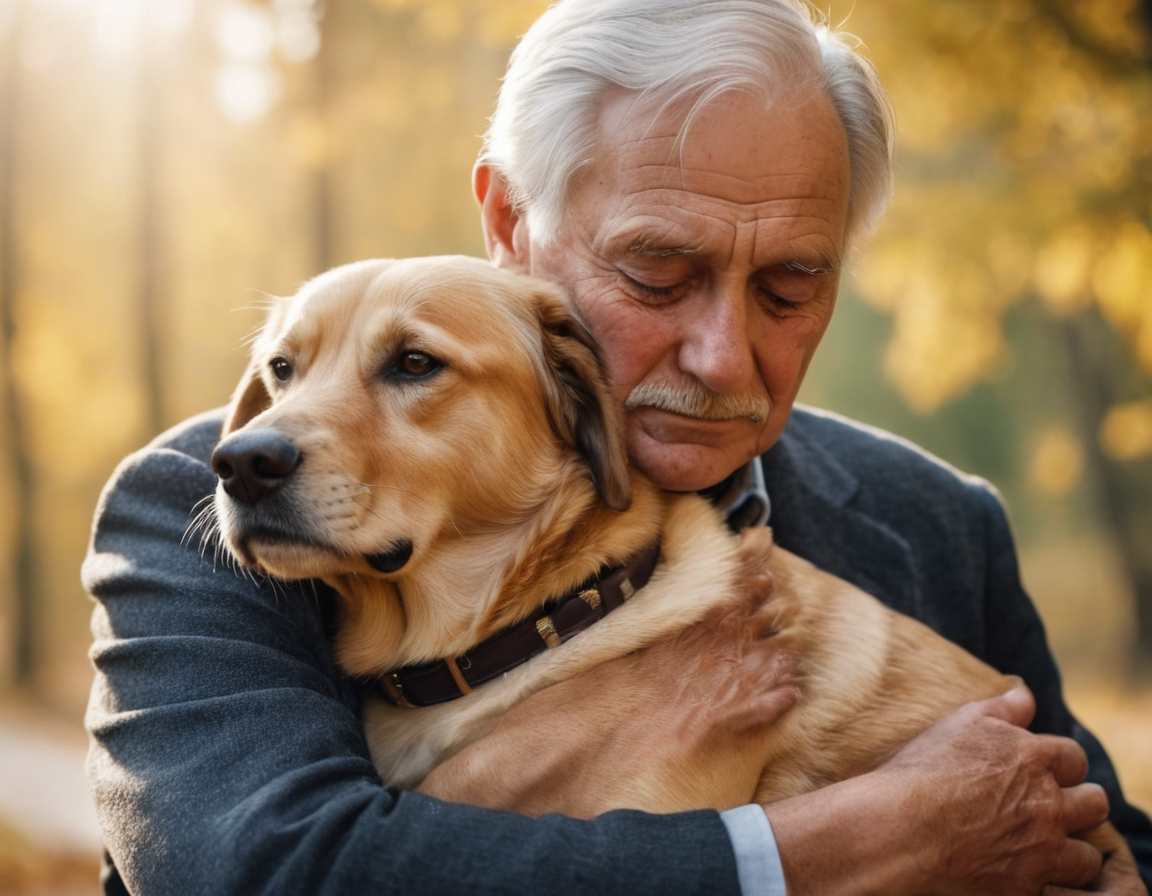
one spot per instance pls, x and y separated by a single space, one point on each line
579 404
505 237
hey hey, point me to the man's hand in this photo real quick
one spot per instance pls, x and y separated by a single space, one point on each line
974 805
1120 875
633 731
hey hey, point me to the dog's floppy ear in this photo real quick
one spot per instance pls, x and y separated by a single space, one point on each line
251 396
580 407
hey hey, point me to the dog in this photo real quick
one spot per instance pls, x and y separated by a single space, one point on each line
433 438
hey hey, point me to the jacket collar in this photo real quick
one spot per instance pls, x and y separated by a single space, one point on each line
820 511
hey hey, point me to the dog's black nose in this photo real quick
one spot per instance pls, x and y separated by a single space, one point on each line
252 465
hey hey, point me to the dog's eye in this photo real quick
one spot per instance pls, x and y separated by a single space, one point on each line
281 369
417 364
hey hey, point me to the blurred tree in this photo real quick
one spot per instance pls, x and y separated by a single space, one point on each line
150 219
19 462
320 130
1025 177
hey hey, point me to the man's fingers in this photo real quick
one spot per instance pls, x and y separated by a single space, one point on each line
1077 865
765 709
1017 706
759 586
755 547
1066 759
1085 807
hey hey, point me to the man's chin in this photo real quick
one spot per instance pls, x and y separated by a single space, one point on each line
688 465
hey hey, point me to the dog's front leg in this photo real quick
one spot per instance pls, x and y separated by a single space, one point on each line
680 725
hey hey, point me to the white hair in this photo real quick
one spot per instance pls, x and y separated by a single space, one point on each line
545 124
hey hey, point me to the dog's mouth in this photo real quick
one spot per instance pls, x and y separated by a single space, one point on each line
254 541
276 551
392 559
276 544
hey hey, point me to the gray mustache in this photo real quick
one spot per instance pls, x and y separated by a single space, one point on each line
693 399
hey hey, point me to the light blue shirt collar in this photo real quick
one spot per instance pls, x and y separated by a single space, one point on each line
745 503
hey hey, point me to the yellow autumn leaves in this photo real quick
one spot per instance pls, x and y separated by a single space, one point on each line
496 23
1024 175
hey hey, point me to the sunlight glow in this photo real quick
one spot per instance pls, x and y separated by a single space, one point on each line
243 32
297 38
118 28
297 32
173 16
245 91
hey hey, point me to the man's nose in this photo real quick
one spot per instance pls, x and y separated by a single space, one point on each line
717 348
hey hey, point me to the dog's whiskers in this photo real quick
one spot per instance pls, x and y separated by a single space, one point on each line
207 525
397 488
370 511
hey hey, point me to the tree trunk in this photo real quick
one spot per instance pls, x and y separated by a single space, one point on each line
1102 373
24 572
322 85
149 223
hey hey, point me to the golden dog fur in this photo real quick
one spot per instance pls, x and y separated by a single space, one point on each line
504 468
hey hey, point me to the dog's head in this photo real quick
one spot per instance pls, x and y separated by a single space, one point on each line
392 404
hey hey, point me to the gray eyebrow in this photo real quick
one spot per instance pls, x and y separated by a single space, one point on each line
654 249
802 268
651 248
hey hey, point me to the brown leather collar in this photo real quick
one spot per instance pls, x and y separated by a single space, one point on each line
550 626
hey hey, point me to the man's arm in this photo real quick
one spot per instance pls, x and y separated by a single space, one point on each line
975 805
227 757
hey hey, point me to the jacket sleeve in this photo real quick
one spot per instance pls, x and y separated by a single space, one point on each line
226 754
1017 645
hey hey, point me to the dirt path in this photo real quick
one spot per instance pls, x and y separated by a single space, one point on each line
42 788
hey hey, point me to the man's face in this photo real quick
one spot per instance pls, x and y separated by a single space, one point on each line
707 270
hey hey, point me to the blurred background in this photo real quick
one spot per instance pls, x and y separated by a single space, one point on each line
166 164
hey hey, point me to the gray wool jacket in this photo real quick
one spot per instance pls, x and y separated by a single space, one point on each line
226 754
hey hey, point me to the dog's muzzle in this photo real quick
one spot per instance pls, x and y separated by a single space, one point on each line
253 464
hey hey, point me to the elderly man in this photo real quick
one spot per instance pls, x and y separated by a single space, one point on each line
694 174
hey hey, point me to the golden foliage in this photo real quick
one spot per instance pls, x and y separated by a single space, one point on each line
1063 265
1126 433
497 22
1024 170
1122 284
